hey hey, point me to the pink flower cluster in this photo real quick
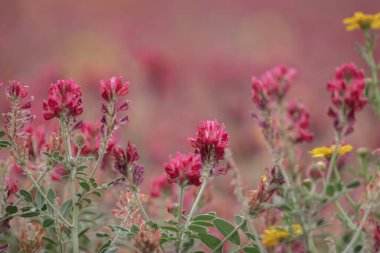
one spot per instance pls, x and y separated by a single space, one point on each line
16 91
210 141
347 96
272 86
298 123
113 88
184 169
65 100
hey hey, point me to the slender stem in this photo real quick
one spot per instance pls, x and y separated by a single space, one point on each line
141 206
228 237
358 230
99 161
75 230
345 215
332 162
181 190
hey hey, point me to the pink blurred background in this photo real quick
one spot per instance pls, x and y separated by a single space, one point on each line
186 61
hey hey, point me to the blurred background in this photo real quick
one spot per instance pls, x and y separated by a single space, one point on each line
186 61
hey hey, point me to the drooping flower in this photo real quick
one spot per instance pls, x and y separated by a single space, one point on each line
298 123
362 21
327 152
275 235
65 100
113 88
30 237
124 158
210 141
137 174
347 96
184 169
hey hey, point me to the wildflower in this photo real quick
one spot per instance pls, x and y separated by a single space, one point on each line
160 186
327 152
272 86
124 158
16 91
31 237
58 172
317 169
298 123
137 174
128 209
112 88
362 21
210 141
275 235
148 240
265 190
11 186
65 100
184 169
347 96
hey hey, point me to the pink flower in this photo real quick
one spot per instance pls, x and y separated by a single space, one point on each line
112 88
58 172
347 95
273 85
11 186
65 100
160 186
298 119
184 169
210 141
124 159
16 91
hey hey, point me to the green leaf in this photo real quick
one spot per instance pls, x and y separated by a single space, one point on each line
174 229
251 249
40 201
239 219
93 182
135 229
51 196
225 228
102 234
47 222
11 209
2 134
85 186
330 190
97 193
353 185
66 207
4 144
198 229
104 247
204 217
203 223
26 195
31 214
211 241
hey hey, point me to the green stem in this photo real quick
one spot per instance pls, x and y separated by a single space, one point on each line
75 230
141 206
345 215
181 190
332 162
228 237
99 161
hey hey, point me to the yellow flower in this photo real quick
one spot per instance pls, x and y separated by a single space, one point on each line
327 152
274 235
362 21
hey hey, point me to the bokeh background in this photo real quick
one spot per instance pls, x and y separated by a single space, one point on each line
186 61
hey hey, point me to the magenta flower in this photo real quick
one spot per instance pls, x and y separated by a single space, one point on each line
112 88
65 100
11 186
347 95
184 169
16 91
124 159
298 119
210 141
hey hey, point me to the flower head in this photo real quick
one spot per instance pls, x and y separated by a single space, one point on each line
275 235
65 100
210 141
327 152
362 21
184 169
124 159
113 88
148 240
347 96
298 119
16 91
11 186
31 237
